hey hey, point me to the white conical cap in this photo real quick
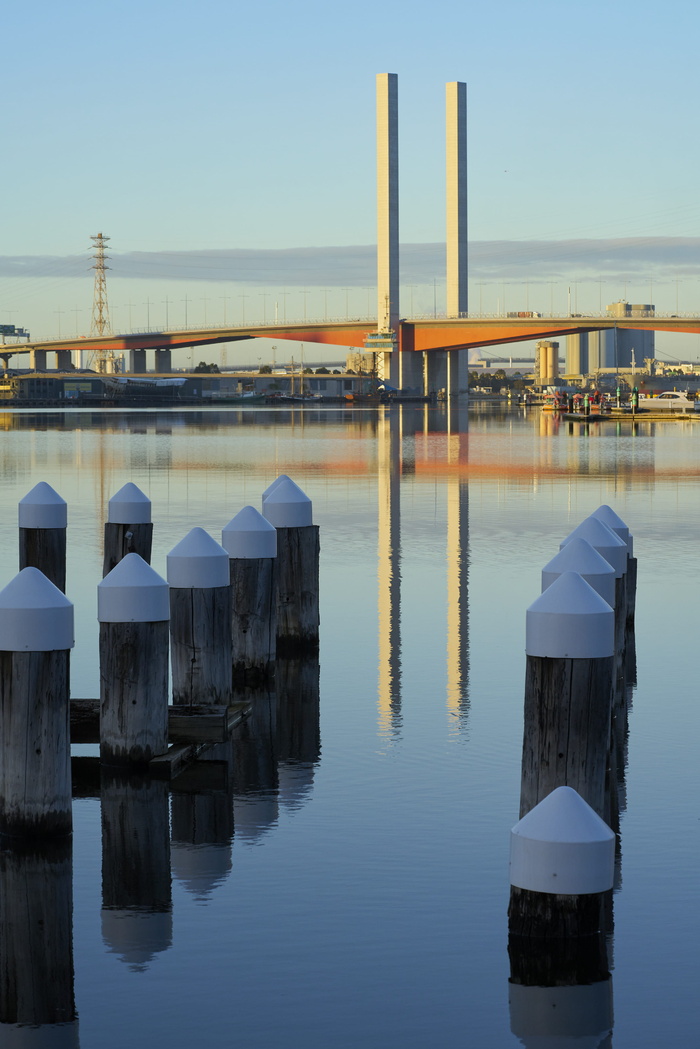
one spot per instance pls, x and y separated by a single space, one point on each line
579 556
133 593
271 487
602 539
249 535
129 506
287 506
42 507
35 616
562 846
198 562
607 515
569 620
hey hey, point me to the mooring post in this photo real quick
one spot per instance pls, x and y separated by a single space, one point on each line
43 519
562 864
579 556
608 516
36 635
200 620
568 693
128 528
251 544
614 550
289 509
133 610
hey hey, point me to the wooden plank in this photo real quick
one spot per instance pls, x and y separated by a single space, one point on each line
212 724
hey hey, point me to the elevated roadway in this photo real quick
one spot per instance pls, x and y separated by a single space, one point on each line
417 334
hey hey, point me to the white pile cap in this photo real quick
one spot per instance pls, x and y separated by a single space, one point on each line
35 616
569 620
562 846
286 506
133 593
249 535
198 561
602 539
129 506
607 515
579 556
42 508
270 488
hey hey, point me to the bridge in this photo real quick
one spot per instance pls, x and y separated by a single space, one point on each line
415 335
425 351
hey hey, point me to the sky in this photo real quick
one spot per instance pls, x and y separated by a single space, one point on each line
228 151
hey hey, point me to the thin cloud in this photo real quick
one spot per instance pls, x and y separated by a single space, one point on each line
489 261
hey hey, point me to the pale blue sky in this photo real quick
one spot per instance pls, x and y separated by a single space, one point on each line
206 127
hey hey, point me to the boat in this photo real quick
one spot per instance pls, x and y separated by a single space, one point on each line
669 400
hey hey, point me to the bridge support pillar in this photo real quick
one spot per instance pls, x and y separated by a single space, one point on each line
410 371
163 360
5 357
64 361
137 361
37 360
457 373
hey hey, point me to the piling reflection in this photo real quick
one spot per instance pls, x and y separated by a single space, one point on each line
202 822
136 886
36 946
298 729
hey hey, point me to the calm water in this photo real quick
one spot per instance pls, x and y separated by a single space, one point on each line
340 877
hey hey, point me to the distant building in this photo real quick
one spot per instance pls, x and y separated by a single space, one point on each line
593 351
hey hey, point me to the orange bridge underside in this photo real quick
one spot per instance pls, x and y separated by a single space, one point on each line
413 335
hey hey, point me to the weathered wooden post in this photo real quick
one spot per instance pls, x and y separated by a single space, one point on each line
568 693
36 946
128 528
36 635
43 519
608 516
562 864
251 544
133 609
614 550
289 509
200 620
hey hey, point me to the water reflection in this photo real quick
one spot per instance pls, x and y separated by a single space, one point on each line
36 945
136 884
389 447
410 442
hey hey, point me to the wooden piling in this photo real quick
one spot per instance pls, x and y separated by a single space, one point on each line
608 516
251 544
200 620
298 548
133 611
568 693
562 860
43 520
614 549
128 528
36 635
